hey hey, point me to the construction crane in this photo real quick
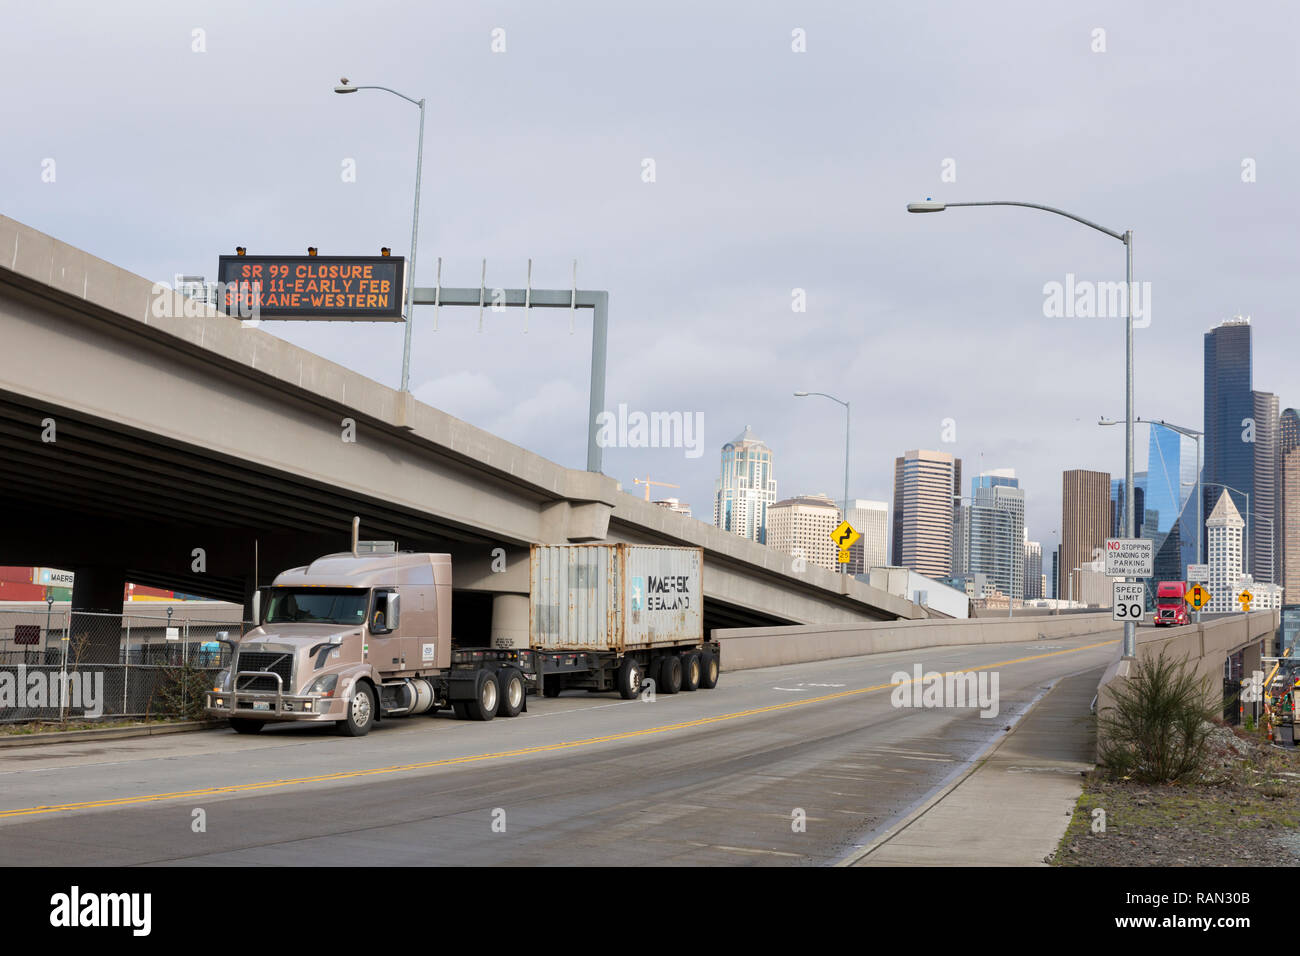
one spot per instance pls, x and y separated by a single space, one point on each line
647 482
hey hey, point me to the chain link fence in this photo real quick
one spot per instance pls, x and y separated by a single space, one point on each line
163 664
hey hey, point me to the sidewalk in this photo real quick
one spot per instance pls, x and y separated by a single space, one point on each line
1013 807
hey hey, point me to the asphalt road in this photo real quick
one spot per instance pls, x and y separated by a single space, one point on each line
713 777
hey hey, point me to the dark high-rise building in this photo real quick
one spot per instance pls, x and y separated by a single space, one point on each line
1287 505
1263 500
1229 411
1117 522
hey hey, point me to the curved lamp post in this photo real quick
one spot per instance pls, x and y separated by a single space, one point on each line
345 87
1126 237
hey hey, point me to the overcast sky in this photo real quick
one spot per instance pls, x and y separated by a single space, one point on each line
774 170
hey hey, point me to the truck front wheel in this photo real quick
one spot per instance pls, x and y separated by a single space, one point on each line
361 713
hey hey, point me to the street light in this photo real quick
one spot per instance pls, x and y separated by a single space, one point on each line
346 87
844 567
1200 499
1126 237
1070 581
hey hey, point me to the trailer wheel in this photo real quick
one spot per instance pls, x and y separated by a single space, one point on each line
709 670
360 713
487 697
629 678
691 672
511 682
242 725
670 674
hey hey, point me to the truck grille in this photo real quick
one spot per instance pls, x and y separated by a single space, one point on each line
278 662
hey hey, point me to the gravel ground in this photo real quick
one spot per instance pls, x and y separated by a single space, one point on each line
1244 812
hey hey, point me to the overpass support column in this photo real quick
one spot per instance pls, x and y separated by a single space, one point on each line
97 640
1250 659
510 620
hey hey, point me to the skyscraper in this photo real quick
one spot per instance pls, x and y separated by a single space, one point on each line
1118 526
1033 569
1287 505
871 520
1229 409
746 488
1085 521
1263 500
995 531
924 485
802 526
1170 504
1223 550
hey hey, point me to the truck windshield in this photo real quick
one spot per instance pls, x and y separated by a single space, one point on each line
317 606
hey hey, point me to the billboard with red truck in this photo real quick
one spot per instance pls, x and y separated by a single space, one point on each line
1171 608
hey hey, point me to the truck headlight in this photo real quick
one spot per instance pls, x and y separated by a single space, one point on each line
323 686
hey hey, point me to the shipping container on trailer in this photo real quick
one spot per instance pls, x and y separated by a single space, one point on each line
610 616
356 637
614 597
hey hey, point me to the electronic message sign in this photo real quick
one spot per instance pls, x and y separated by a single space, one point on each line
348 288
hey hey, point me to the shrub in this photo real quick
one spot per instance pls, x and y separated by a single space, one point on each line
180 691
1159 726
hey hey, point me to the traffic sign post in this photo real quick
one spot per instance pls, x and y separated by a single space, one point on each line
1197 597
1128 601
1130 557
844 537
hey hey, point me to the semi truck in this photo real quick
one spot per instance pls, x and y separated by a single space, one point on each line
356 638
1171 608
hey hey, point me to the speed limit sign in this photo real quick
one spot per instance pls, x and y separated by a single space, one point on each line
1128 601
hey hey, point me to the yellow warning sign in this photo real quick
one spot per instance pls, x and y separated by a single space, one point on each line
1197 597
844 537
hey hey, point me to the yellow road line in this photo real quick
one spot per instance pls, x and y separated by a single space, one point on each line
502 754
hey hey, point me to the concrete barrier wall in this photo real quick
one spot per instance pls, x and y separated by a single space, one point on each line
1206 646
748 647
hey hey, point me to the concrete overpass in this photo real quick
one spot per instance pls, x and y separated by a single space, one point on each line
135 441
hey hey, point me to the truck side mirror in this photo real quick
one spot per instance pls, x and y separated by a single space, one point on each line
385 618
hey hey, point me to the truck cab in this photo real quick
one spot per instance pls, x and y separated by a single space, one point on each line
1171 608
351 638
